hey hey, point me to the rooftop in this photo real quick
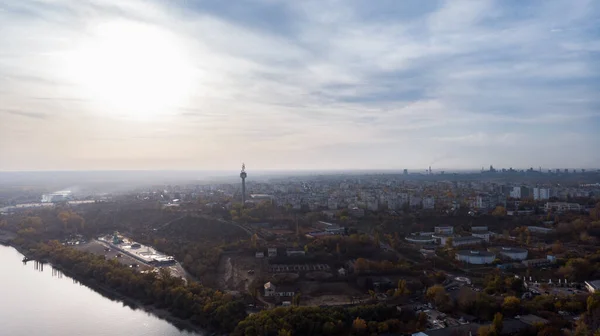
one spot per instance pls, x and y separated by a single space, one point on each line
513 250
475 253
466 238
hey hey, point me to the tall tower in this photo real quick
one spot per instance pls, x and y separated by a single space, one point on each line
243 176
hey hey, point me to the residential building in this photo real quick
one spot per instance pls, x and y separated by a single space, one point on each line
485 235
272 252
429 203
356 212
541 194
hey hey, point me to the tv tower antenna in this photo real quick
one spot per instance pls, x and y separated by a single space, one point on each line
243 177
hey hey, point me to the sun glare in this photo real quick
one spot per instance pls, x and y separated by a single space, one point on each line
133 70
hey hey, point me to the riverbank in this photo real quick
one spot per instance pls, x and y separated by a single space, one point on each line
107 292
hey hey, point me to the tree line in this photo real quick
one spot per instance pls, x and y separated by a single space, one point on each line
203 306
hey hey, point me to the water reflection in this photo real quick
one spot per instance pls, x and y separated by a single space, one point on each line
30 293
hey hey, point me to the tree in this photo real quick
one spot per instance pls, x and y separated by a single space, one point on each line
337 248
284 332
485 331
359 325
254 241
497 323
437 294
499 211
402 289
449 242
549 331
361 264
557 247
511 305
421 321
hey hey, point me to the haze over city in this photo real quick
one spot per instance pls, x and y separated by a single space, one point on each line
96 85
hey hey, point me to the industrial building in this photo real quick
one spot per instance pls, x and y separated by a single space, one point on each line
514 253
475 257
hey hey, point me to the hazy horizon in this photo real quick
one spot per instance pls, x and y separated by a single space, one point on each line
296 86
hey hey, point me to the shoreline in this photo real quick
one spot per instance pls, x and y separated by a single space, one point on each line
113 295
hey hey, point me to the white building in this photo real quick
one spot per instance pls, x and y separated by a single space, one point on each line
541 194
516 192
271 290
485 235
332 204
539 229
448 230
483 201
561 206
475 257
414 201
419 239
372 204
465 241
514 253
356 212
429 202
272 252
295 252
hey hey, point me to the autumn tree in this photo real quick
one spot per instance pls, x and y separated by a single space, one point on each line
497 323
359 325
485 331
499 211
402 289
437 294
284 332
511 305
449 242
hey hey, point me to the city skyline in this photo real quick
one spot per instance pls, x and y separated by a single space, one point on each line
298 86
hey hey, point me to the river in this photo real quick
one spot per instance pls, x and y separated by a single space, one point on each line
36 301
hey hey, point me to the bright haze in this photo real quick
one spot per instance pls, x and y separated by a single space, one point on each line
95 85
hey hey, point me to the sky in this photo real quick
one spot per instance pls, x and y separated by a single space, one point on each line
385 84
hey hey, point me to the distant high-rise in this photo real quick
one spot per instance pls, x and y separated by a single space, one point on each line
405 171
243 176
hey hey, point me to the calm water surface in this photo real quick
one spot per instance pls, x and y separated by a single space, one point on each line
44 302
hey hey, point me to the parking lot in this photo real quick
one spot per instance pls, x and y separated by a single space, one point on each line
282 268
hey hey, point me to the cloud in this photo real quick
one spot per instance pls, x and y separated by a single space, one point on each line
323 79
34 115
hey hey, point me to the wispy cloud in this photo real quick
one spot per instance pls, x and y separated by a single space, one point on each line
305 80
34 115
